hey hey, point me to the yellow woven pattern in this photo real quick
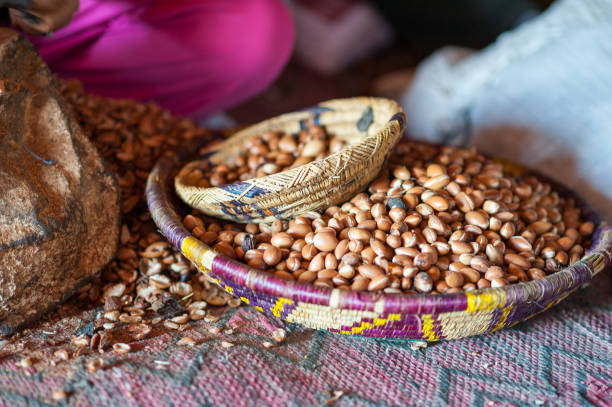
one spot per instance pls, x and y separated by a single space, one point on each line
278 307
487 300
324 317
199 254
428 328
503 319
192 248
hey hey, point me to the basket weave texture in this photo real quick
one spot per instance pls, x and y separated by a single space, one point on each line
419 317
371 127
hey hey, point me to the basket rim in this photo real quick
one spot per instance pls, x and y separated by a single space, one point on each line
162 204
397 119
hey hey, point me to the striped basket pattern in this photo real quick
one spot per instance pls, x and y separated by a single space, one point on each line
418 317
371 127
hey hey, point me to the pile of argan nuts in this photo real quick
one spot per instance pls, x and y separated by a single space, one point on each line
270 153
437 220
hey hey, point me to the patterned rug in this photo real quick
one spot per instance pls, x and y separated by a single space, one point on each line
560 358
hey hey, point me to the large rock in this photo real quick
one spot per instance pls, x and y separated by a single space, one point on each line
59 205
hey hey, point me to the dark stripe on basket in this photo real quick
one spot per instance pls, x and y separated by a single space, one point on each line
238 189
316 118
366 120
236 210
400 117
317 109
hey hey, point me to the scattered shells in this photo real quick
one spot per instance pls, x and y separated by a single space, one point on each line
25 363
416 345
61 354
197 314
121 347
59 395
81 340
186 341
93 365
234 302
279 335
170 324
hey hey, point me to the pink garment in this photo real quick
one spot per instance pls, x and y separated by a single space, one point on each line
193 57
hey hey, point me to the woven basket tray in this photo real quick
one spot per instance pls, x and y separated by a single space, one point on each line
371 127
421 317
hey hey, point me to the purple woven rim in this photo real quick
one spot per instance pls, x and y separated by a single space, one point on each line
163 206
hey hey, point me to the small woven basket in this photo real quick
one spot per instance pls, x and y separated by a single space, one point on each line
371 127
418 317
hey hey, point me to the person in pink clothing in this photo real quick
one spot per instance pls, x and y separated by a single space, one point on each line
193 57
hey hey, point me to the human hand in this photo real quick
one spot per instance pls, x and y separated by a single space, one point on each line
40 17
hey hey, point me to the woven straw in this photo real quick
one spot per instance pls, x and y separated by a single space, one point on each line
422 317
371 127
